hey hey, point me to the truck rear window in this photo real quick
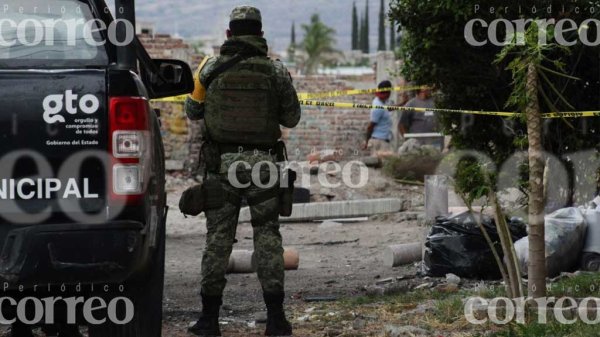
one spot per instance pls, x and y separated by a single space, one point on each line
50 33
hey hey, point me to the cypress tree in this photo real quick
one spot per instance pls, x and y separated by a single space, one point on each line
292 47
393 35
381 45
361 33
355 28
366 47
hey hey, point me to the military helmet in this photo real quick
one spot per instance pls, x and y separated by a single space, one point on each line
245 13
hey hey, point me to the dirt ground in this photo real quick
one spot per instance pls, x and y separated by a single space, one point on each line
335 261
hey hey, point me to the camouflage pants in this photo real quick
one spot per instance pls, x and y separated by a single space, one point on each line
221 230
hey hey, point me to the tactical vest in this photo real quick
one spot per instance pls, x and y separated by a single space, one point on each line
242 106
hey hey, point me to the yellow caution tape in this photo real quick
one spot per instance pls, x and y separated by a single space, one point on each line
550 115
345 105
575 114
315 95
176 99
307 95
400 108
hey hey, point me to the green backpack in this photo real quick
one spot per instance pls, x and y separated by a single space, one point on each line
242 104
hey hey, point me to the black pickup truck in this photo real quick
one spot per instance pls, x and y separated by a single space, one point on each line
82 196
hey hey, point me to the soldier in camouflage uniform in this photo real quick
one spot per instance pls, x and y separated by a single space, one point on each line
243 107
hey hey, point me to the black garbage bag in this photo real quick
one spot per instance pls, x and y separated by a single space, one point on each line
456 245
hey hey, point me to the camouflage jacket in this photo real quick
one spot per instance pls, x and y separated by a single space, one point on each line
290 112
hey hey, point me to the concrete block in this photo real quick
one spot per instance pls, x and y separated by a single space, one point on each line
335 209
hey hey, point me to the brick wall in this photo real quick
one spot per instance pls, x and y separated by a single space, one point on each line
325 128
165 46
320 129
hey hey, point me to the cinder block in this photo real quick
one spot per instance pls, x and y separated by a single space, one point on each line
335 210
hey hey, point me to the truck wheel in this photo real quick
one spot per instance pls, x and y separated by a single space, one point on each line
147 297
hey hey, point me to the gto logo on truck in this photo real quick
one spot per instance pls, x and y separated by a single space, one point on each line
55 104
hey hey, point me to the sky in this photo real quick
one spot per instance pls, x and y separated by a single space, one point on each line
203 18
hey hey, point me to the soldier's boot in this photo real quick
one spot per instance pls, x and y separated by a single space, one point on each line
277 324
208 323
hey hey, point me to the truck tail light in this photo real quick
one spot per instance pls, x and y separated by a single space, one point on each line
127 179
129 146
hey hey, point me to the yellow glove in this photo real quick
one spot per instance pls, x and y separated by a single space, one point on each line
199 94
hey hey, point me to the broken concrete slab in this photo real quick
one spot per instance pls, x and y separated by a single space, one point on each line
335 209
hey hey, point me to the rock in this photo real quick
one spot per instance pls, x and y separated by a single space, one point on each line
447 288
326 192
396 288
304 318
424 286
359 324
452 279
384 281
332 332
330 225
387 288
374 290
352 334
423 308
480 310
409 146
404 331
260 317
174 165
407 216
